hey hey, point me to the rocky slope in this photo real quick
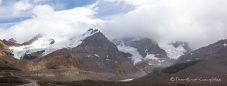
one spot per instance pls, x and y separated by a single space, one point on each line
11 63
101 53
59 59
93 54
7 62
144 46
209 69
207 62
147 54
3 49
215 50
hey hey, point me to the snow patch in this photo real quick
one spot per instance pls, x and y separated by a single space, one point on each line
96 55
150 63
126 80
151 56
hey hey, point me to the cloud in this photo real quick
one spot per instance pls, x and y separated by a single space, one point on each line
53 23
198 22
21 5
0 2
36 1
134 2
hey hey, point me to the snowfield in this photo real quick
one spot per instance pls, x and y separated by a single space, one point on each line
172 52
136 57
126 80
43 43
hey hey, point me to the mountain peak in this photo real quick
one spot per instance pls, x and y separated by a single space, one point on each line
91 31
34 39
48 44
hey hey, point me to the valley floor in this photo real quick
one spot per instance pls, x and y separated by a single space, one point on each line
103 83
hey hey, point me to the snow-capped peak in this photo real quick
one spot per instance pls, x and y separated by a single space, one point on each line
44 43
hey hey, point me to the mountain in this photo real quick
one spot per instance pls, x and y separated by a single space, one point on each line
33 39
4 49
98 50
59 59
175 49
208 62
46 44
90 52
183 44
140 48
147 54
11 42
215 50
10 63
7 62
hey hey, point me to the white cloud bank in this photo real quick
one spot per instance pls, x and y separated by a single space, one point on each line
36 1
198 22
19 6
55 23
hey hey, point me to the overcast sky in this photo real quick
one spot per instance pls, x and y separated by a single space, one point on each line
199 22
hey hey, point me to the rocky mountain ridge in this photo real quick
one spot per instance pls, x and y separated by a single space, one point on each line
208 62
91 52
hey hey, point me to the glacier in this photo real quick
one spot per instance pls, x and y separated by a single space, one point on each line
43 43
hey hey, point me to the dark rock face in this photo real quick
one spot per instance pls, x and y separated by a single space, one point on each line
216 50
32 55
97 42
97 53
52 41
126 54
